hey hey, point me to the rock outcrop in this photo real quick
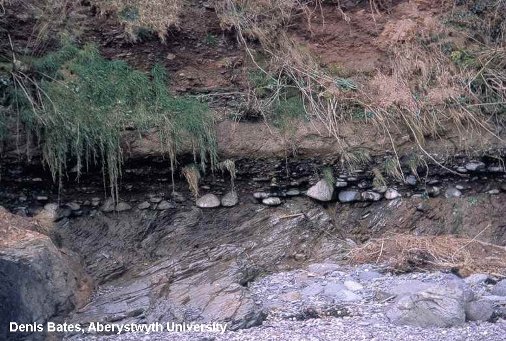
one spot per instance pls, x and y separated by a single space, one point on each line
37 282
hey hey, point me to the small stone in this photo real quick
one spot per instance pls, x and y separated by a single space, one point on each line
299 257
122 206
341 184
370 196
260 195
74 206
461 170
42 198
51 207
493 191
459 187
363 184
495 169
208 201
171 56
453 192
474 166
143 205
108 205
411 180
423 207
433 191
177 197
322 191
165 205
230 199
271 201
95 202
349 196
392 194
155 200
293 192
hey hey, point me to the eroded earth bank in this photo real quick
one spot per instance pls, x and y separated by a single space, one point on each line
296 170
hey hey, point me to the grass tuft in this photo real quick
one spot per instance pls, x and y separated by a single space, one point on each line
79 104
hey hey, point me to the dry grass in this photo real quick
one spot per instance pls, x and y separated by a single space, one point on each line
51 18
229 165
404 252
421 94
192 176
156 15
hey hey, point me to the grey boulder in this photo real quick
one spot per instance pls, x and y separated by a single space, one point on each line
208 201
436 306
479 310
370 196
322 191
271 201
349 196
230 199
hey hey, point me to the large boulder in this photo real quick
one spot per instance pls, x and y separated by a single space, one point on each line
322 191
37 282
437 306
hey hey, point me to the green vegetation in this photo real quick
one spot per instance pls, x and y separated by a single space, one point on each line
328 175
285 110
79 104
